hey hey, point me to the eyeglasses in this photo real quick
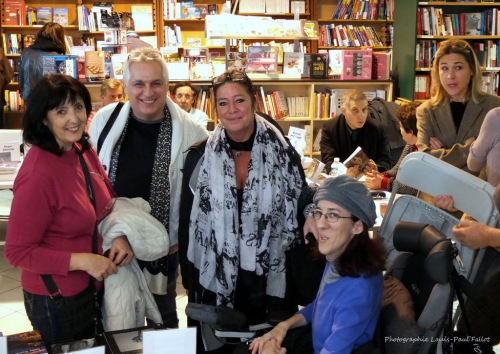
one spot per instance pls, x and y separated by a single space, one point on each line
179 96
237 76
330 217
151 54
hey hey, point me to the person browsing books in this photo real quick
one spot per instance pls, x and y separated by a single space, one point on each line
144 153
51 223
49 40
450 121
385 180
341 135
185 95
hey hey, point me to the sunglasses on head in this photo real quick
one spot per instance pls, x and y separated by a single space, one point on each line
237 76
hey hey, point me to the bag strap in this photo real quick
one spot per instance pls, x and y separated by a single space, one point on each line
51 286
109 124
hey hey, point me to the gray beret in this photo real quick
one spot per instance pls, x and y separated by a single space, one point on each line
351 195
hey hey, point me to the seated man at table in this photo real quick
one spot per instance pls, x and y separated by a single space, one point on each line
343 134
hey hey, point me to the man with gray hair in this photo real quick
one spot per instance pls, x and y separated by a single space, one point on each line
341 135
143 155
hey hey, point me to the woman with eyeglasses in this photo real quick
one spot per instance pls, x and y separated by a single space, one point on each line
243 217
185 96
449 122
345 312
54 210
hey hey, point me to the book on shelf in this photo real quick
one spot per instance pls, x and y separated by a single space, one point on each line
98 8
60 64
335 63
357 158
293 63
25 342
13 12
30 15
357 64
182 9
194 42
197 12
94 65
381 66
117 62
60 15
143 17
43 15
319 66
212 9
262 58
473 24
237 61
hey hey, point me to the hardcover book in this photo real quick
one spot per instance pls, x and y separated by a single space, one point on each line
183 8
357 64
60 15
319 66
94 66
143 17
357 158
43 15
381 66
13 12
117 61
314 170
237 61
212 9
262 58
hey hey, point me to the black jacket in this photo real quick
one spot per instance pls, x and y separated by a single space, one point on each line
372 138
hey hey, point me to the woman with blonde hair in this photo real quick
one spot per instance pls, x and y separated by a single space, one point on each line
449 122
49 40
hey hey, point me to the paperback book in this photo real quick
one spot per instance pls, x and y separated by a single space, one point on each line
60 64
61 15
293 63
43 15
357 158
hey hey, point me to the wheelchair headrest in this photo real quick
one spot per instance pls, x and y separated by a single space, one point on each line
424 239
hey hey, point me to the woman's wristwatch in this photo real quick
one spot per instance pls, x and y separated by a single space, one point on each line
308 209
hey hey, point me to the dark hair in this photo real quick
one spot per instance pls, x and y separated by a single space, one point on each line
55 33
51 92
407 115
185 84
237 77
362 256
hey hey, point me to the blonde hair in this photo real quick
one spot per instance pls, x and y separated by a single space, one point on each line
352 95
110 84
463 48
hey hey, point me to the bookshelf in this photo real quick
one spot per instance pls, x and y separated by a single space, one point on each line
415 57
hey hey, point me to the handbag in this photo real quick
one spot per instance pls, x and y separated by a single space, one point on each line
79 316
156 275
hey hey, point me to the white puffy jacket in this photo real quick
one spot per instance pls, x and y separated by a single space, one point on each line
127 298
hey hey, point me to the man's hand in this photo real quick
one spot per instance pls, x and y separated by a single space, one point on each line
476 235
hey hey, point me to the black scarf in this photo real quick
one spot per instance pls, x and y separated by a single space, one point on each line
47 45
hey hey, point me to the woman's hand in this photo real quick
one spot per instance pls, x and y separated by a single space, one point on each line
374 180
436 143
445 202
97 266
120 252
270 342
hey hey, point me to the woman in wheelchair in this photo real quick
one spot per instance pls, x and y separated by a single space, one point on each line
344 314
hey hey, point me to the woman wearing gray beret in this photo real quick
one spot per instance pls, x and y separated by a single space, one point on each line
345 312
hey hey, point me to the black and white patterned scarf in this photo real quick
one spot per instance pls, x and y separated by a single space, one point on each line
159 198
218 244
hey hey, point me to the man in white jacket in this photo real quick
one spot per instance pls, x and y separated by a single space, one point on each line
143 154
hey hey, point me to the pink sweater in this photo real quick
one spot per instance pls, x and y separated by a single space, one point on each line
51 217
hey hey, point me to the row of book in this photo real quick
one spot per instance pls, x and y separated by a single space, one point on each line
349 36
89 18
487 52
432 21
364 10
268 6
16 12
14 101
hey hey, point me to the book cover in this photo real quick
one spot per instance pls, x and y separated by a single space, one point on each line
60 15
26 342
314 170
357 64
357 158
212 9
293 63
319 66
262 58
183 8
170 54
473 24
237 61
194 12
381 65
335 62
13 12
117 61
43 15
94 65
143 17
60 64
